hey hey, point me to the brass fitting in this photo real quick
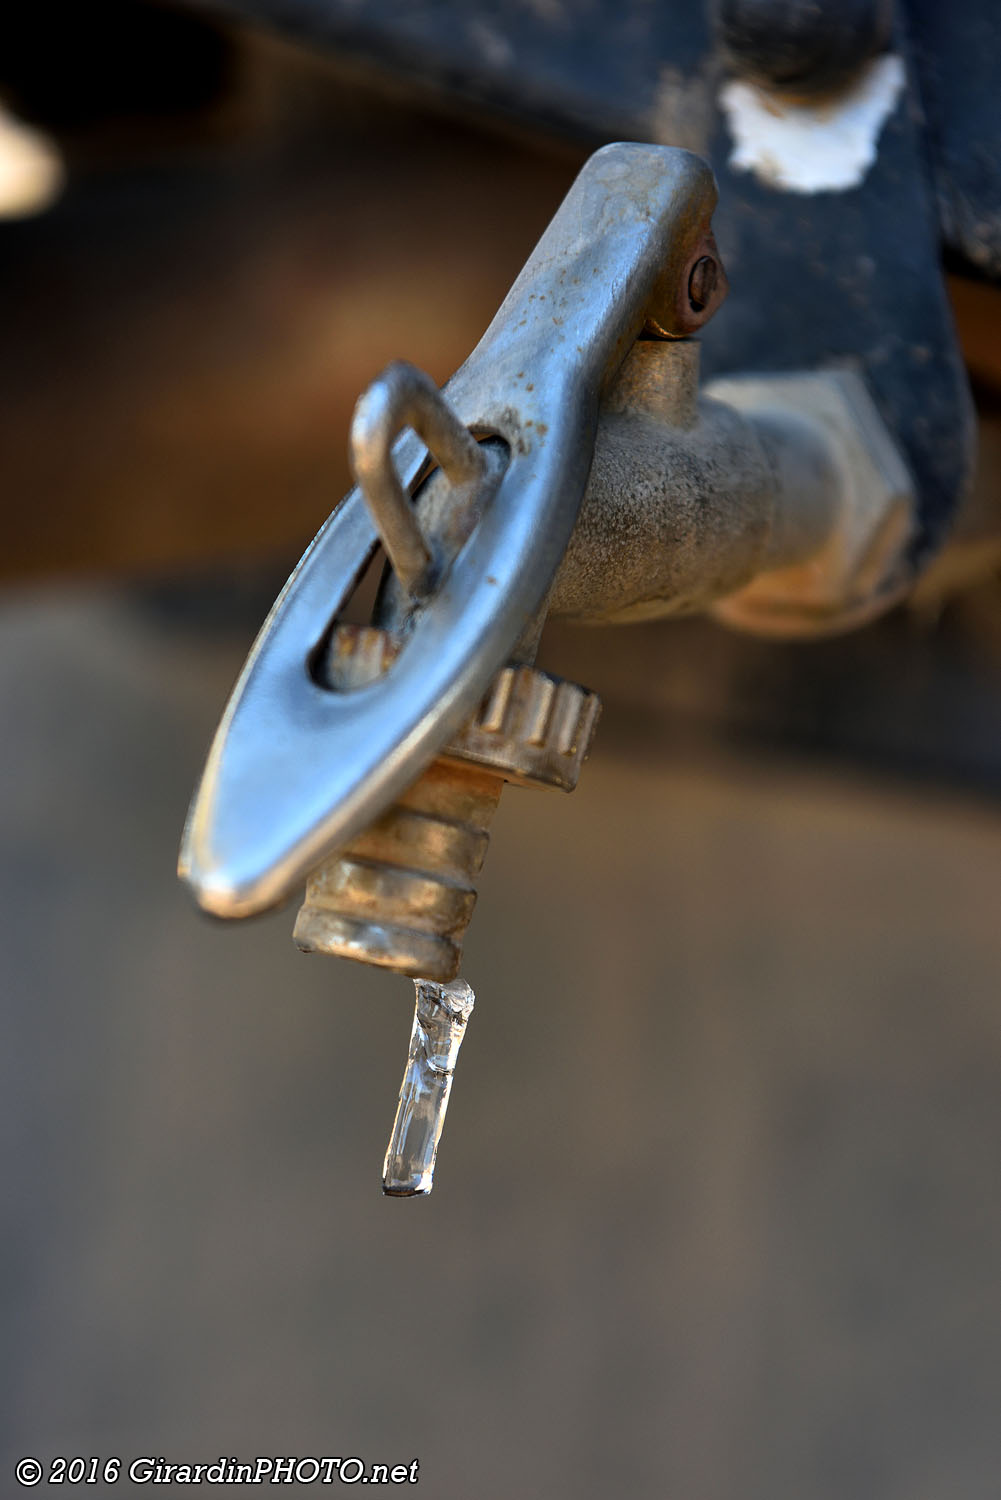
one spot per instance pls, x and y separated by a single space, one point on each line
401 894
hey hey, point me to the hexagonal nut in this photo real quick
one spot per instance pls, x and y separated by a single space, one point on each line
862 567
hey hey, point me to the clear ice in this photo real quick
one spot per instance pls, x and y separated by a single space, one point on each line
440 1015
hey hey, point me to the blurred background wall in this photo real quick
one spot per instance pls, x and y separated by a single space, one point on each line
717 1210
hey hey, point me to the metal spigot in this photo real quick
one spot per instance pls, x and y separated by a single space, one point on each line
570 466
298 770
400 895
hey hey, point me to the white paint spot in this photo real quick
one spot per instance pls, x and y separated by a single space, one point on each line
824 146
31 170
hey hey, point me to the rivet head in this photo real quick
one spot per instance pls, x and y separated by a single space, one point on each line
702 282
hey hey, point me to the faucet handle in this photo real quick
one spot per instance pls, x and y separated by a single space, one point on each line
298 769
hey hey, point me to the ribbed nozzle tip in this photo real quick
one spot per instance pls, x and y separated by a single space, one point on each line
401 895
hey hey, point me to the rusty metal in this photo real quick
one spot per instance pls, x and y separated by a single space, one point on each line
702 282
692 309
401 895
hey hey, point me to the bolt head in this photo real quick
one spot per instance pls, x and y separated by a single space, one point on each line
702 282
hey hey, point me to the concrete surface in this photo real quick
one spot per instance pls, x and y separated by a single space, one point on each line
717 1213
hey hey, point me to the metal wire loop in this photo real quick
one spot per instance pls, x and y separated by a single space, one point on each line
403 396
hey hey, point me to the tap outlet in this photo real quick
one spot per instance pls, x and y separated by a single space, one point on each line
402 893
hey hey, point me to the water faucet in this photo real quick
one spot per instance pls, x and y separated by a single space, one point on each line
573 467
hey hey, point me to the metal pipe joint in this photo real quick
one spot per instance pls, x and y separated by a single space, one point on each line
780 503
